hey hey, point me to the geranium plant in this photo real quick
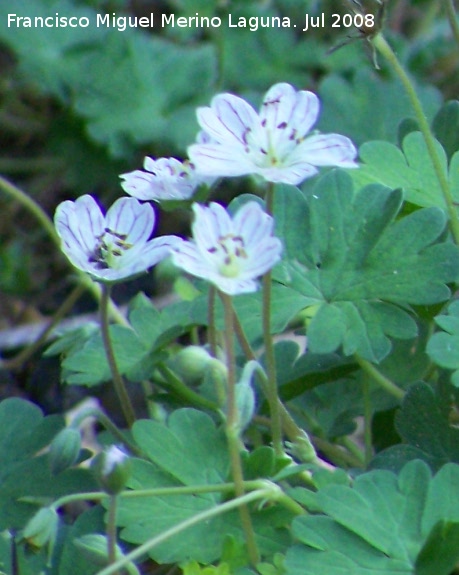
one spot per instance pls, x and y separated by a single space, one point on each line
292 408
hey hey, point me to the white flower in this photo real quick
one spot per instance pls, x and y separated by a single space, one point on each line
274 143
230 253
114 247
163 179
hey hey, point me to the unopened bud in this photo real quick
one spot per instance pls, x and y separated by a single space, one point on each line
64 450
42 528
190 364
112 469
303 449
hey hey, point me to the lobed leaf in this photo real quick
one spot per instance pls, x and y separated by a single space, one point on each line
378 526
193 438
362 268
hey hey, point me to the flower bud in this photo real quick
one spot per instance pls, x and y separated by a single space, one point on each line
42 528
245 401
112 469
190 364
64 450
303 449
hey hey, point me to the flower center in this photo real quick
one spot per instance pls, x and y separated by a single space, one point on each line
279 142
229 252
110 247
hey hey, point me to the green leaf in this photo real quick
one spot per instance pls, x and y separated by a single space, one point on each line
191 438
378 526
423 424
187 438
359 265
410 169
151 80
254 61
368 107
47 57
443 346
89 366
440 552
72 561
286 303
445 126
25 432
136 348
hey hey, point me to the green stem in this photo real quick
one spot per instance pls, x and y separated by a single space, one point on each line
276 494
232 430
451 15
379 378
159 492
47 224
118 382
353 449
175 384
384 48
242 339
270 360
27 352
266 493
335 454
367 418
31 206
104 420
111 530
211 330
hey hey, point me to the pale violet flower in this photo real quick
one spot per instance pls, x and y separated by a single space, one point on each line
275 143
113 247
164 179
229 252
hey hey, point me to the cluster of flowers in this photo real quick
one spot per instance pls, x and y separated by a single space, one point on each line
230 252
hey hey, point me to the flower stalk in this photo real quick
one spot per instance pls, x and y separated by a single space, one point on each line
379 378
270 359
260 494
232 431
120 388
384 48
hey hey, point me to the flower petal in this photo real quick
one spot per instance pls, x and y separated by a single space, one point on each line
326 150
288 115
292 174
228 120
79 224
220 160
267 255
252 224
138 184
188 257
129 217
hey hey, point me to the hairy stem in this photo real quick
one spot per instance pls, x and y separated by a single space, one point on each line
27 352
46 223
379 378
265 493
367 417
384 48
111 531
232 430
270 360
118 382
211 330
452 19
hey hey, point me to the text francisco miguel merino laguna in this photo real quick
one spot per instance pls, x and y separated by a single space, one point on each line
121 23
